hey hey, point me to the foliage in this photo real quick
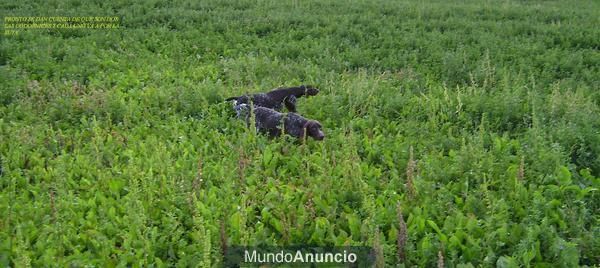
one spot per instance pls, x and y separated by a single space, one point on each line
477 122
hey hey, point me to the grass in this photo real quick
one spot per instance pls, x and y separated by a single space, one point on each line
464 133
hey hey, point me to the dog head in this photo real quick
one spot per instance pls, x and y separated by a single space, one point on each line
310 90
313 129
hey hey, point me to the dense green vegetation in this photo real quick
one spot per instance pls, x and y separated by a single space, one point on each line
476 123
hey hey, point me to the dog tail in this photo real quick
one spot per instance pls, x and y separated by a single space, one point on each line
231 98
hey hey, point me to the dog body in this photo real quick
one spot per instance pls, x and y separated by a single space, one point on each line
269 121
275 99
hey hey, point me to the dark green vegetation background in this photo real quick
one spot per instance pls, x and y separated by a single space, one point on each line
116 147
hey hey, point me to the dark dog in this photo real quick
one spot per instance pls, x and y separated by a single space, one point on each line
275 99
269 121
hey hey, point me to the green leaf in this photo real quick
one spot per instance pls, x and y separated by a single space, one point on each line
506 262
267 156
434 226
277 225
564 176
425 244
235 220
354 225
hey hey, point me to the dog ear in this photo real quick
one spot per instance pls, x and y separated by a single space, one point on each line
313 124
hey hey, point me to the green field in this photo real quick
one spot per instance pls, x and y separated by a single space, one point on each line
475 123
